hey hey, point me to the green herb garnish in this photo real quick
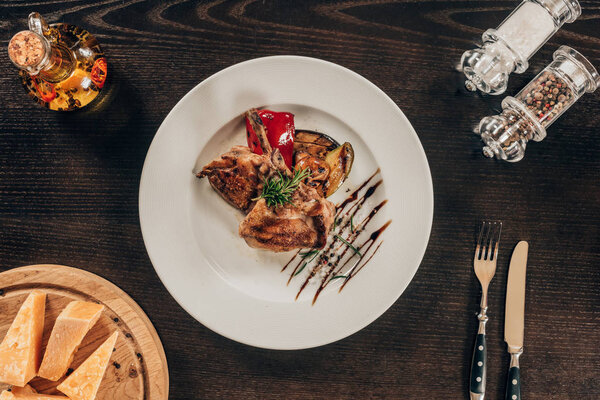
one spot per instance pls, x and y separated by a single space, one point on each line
309 253
278 191
347 243
301 268
304 255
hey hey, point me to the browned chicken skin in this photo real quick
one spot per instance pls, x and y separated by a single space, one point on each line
303 223
238 177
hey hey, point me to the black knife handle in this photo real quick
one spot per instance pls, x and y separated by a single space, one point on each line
513 386
513 383
478 367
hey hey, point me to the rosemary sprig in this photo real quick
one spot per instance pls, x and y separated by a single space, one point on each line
314 253
278 191
301 268
308 253
347 243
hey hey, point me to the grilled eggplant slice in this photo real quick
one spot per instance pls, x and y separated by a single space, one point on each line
314 143
340 163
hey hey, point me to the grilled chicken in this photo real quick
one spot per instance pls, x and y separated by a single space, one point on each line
303 223
238 177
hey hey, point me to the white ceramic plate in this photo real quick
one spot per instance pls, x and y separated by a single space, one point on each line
191 234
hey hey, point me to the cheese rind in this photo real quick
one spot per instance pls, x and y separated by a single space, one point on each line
20 351
6 395
84 382
70 328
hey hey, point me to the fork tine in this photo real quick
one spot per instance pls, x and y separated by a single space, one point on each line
497 240
485 253
492 240
478 248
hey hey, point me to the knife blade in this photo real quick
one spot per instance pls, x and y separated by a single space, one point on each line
514 322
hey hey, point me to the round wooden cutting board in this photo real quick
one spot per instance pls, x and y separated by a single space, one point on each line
138 367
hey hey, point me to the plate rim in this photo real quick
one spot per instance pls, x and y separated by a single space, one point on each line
428 186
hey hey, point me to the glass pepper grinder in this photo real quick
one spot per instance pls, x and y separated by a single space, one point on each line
509 47
62 66
526 116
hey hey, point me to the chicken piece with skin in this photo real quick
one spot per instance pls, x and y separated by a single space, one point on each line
303 223
237 175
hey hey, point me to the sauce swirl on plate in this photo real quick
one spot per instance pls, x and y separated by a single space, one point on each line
344 256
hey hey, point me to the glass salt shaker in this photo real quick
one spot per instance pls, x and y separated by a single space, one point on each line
61 65
509 47
548 95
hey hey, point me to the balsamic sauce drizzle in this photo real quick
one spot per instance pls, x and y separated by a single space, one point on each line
289 262
332 255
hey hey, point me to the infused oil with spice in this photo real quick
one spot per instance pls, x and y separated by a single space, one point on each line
61 65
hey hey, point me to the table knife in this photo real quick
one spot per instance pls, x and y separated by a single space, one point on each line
514 322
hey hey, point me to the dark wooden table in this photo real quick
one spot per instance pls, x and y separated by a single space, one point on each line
69 192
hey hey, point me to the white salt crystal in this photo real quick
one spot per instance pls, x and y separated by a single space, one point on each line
527 28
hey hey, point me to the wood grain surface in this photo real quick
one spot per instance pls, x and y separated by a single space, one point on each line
137 368
69 186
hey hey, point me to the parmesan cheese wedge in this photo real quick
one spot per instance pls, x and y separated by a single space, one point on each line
20 351
70 328
84 382
22 390
6 395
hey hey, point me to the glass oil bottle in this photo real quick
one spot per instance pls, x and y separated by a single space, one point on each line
62 66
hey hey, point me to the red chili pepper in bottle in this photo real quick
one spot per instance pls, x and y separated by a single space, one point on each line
45 89
280 133
98 73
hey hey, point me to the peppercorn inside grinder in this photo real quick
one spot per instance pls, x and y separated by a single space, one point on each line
526 116
509 47
62 66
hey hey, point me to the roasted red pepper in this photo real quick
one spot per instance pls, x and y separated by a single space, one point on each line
280 132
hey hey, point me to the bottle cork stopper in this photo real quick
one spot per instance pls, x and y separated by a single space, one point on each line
26 49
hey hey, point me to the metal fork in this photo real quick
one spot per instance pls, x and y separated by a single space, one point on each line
484 264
